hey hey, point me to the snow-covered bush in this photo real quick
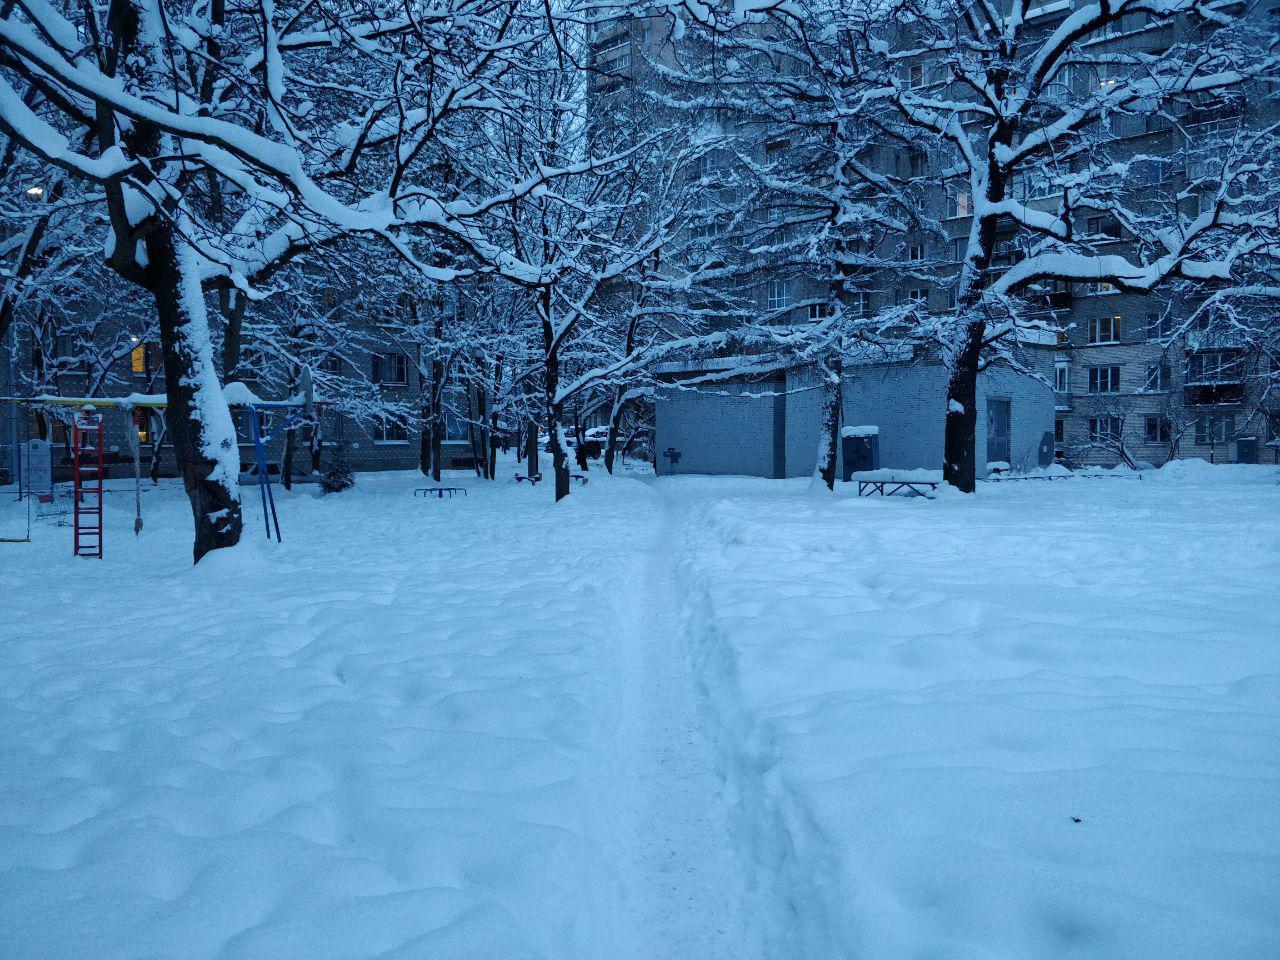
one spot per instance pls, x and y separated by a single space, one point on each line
337 474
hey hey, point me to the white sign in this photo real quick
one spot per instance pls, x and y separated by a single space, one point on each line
37 457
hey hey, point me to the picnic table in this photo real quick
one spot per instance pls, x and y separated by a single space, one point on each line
887 488
439 492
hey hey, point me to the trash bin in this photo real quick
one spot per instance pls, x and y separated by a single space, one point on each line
860 448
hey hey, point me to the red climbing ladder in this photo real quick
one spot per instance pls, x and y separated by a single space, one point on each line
87 450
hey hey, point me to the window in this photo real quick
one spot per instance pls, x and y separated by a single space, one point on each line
1157 377
958 204
917 295
704 230
331 363
1062 376
1215 366
142 423
860 303
915 76
1105 429
778 295
1059 431
1214 428
1104 379
1102 287
612 53
138 358
818 311
1158 430
915 252
917 162
1104 330
1103 227
388 431
391 369
1159 326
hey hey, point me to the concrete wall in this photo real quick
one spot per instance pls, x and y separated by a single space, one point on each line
722 429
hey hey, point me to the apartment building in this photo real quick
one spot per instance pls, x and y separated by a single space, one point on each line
1137 377
367 443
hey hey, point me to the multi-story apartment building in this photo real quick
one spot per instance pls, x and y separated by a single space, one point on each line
367 443
1136 377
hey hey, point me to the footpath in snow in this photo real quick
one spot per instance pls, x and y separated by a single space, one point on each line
1039 723
463 729
692 718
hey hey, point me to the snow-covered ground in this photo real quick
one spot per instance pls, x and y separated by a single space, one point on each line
693 718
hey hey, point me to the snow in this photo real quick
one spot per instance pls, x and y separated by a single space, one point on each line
893 473
865 431
687 717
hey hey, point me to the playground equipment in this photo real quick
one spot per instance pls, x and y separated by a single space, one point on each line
86 450
88 468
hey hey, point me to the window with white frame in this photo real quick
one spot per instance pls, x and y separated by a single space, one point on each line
1215 428
1159 326
1158 375
915 252
1159 430
1105 429
391 369
1104 379
1104 330
860 303
1215 366
778 295
958 204
915 76
389 431
1062 376
818 311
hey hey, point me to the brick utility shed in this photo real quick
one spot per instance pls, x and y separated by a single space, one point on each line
768 426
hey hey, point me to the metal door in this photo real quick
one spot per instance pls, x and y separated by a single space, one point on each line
998 431
1247 450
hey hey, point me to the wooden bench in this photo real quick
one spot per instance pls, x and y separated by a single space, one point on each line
439 492
887 488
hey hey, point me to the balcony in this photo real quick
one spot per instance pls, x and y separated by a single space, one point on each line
1213 394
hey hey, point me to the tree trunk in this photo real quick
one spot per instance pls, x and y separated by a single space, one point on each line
204 437
615 428
531 449
232 304
829 427
958 468
424 441
551 387
286 465
493 421
580 442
